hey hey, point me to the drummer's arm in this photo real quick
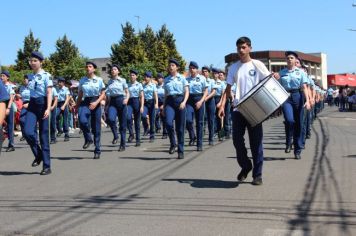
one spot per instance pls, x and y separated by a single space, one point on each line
223 100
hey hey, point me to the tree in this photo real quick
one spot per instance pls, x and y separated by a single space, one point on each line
130 49
140 67
74 69
66 51
167 38
30 44
149 41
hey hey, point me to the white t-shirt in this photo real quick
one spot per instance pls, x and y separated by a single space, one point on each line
249 75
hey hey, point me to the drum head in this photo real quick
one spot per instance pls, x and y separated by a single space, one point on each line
254 89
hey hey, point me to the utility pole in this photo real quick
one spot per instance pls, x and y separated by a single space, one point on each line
138 23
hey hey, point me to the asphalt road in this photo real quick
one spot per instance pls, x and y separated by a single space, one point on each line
146 191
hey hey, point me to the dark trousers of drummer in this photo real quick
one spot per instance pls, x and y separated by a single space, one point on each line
149 109
217 124
173 112
192 113
227 119
255 134
133 108
293 116
160 121
94 116
35 112
210 113
118 110
64 114
52 124
10 120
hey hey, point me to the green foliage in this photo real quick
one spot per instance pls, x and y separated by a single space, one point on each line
23 55
15 76
140 67
74 69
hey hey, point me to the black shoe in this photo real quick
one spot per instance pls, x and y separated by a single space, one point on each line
131 137
288 149
145 133
297 156
172 150
66 139
211 143
22 139
257 181
137 144
308 136
221 139
164 136
36 162
53 142
121 148
10 149
180 155
87 144
96 155
59 134
158 131
46 171
152 140
192 141
114 141
199 149
243 174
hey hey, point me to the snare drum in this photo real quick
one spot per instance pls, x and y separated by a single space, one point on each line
261 101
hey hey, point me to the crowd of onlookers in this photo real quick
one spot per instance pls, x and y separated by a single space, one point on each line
344 97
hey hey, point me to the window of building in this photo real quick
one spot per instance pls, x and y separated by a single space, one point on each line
103 68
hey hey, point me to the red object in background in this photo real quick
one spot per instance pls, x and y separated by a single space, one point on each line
341 80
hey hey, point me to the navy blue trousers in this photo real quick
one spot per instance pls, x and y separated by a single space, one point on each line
133 108
255 134
85 114
199 118
53 124
65 115
160 122
35 112
10 120
173 112
210 114
118 110
149 109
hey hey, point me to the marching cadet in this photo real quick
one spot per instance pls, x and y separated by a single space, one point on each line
52 123
196 105
176 96
160 121
294 80
210 103
117 96
91 91
135 106
25 97
10 113
38 111
62 109
4 96
227 117
150 105
220 89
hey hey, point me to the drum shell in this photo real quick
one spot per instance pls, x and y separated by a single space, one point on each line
265 100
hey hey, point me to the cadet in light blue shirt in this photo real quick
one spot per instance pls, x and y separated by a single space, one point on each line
135 107
10 113
160 119
25 97
92 89
53 116
210 103
39 110
177 93
151 104
117 95
62 109
294 80
198 90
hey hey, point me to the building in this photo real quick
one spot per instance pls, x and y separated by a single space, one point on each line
103 69
276 60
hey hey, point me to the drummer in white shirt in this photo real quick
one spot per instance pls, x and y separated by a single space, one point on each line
247 73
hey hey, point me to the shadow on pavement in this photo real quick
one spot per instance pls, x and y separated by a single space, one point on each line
10 173
149 158
206 183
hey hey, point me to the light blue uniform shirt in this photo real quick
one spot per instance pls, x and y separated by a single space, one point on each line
10 89
4 96
160 91
220 87
62 93
211 84
149 90
54 93
312 84
197 85
330 91
175 85
293 79
116 87
91 87
38 84
25 93
135 89
233 88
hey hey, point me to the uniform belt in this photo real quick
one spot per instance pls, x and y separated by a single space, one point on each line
134 97
293 91
175 96
116 96
148 100
91 99
195 94
217 96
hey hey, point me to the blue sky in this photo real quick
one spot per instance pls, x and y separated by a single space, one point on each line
205 31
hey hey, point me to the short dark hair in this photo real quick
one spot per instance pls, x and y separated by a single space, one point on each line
243 40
